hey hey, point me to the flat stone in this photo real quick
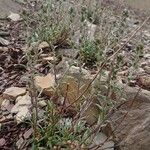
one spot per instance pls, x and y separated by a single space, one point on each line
45 84
9 107
2 142
15 109
14 17
42 103
43 45
21 101
70 89
19 143
51 59
23 113
28 133
24 100
13 92
3 49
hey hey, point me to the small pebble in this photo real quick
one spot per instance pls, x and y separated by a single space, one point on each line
2 142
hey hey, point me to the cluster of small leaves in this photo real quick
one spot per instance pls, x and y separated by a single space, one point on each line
89 52
56 131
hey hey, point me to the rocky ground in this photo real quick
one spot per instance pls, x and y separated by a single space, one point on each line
132 116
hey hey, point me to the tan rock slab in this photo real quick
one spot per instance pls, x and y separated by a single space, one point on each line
71 90
42 103
45 84
13 92
24 100
43 45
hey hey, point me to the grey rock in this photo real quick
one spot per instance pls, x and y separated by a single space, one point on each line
23 113
13 92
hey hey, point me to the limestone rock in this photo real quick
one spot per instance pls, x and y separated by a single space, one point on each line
50 58
137 121
45 84
14 16
43 45
24 100
71 90
42 103
15 109
13 92
20 102
3 49
28 133
23 113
